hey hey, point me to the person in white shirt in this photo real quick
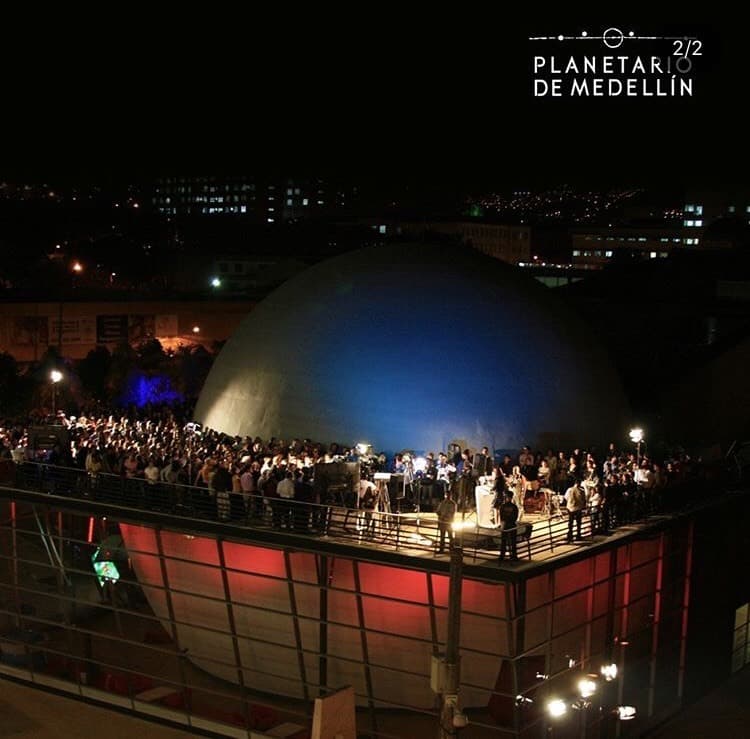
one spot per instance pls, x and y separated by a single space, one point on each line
285 491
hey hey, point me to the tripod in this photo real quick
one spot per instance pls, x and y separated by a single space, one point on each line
383 507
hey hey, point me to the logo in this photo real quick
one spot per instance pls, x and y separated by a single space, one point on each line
614 64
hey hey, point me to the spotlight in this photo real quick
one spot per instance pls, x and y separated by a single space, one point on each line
215 282
460 720
362 448
636 435
522 700
609 672
586 687
460 525
420 464
625 713
541 676
557 708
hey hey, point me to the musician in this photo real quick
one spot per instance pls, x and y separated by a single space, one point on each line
516 487
465 481
445 472
482 463
430 470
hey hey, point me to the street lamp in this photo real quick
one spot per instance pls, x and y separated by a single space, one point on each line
636 436
55 376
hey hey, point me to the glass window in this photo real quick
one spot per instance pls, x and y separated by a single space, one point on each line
699 223
689 208
699 210
652 255
305 201
732 209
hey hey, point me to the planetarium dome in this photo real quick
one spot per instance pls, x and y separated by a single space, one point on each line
414 346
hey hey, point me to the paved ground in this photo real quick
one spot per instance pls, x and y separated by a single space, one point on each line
28 713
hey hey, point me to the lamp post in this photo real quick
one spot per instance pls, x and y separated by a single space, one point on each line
636 436
55 376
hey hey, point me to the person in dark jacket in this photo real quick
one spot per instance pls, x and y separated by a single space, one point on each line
508 525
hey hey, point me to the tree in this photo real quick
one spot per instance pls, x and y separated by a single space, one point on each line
93 371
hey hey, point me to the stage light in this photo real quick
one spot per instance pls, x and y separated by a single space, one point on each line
460 720
557 708
636 435
420 464
522 700
196 329
215 282
626 713
362 448
609 672
461 525
586 687
55 375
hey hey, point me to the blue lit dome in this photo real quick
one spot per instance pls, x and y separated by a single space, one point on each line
414 346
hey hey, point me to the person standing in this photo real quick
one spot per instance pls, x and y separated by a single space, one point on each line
446 512
285 491
509 530
575 502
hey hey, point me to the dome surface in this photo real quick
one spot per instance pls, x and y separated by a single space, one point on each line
414 346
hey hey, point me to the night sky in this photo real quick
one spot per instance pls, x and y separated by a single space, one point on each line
441 100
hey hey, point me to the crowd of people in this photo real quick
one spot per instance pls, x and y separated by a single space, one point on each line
240 475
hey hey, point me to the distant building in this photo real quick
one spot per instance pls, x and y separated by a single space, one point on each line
239 273
507 242
594 247
703 208
265 201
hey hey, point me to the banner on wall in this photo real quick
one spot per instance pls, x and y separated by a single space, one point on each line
72 330
111 329
29 330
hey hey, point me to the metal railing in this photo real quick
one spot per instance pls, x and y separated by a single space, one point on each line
335 519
